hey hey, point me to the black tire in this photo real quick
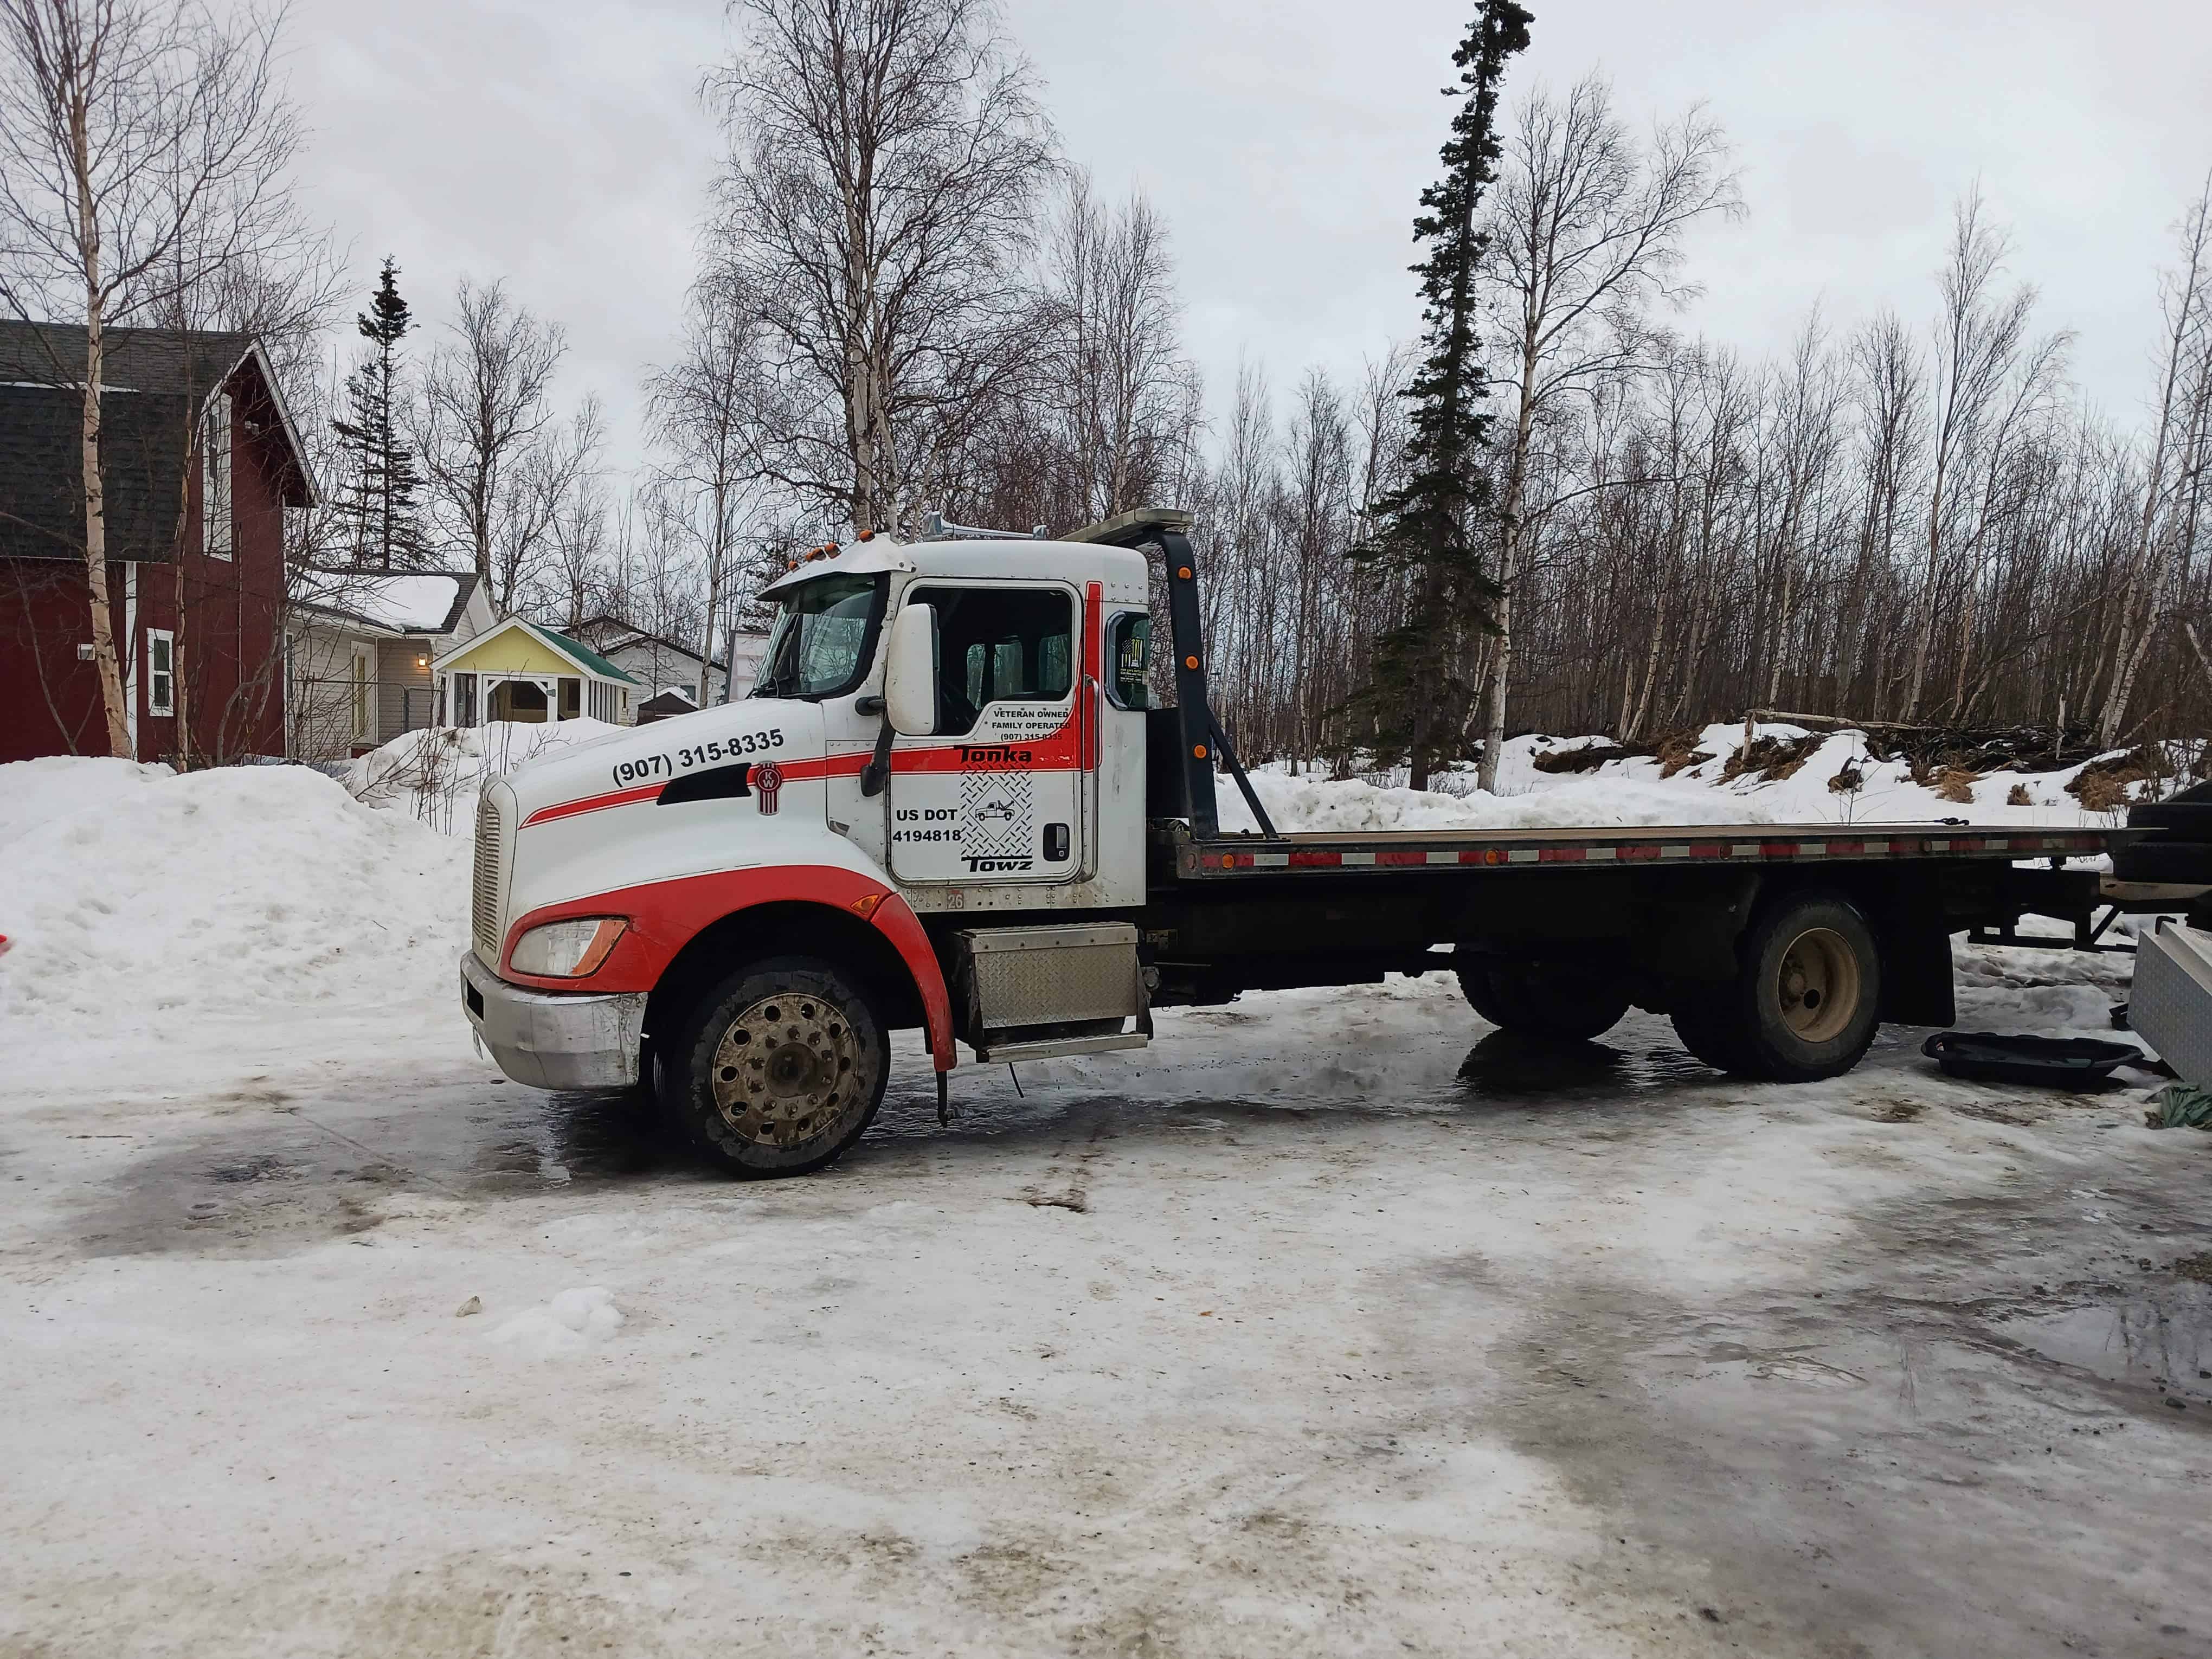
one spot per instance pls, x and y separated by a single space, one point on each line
1805 1001
1556 1002
1474 984
1708 1031
2164 860
779 1068
2193 818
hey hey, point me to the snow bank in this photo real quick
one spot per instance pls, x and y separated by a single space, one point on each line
1323 804
33 791
1836 782
134 898
433 776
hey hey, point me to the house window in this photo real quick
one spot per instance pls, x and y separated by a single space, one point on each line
161 671
361 694
465 699
215 479
572 692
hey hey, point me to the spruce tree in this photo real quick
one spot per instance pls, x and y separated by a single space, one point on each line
1430 529
378 499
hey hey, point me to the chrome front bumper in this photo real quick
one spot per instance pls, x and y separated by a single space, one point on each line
554 1040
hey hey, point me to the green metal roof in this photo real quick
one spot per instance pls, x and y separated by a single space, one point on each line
581 653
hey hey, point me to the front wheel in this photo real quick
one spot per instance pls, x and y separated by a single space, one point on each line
779 1068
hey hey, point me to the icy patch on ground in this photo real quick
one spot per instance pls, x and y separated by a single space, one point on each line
133 897
433 776
571 1323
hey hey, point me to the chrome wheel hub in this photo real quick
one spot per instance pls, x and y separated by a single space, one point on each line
787 1072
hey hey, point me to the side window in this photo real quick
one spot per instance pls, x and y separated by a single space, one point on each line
215 479
1131 642
161 671
998 645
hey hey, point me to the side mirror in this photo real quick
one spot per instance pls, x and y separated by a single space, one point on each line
910 672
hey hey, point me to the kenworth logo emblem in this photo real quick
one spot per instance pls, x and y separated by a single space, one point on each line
767 780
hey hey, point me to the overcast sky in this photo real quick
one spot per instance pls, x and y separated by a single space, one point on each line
560 144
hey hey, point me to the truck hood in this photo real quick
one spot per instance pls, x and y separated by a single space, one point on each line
718 753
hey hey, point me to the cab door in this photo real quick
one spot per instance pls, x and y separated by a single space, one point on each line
999 792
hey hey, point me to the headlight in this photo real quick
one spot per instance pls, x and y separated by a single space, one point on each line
566 950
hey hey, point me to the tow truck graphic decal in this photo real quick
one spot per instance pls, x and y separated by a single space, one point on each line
998 811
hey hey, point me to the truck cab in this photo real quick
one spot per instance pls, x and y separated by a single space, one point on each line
929 813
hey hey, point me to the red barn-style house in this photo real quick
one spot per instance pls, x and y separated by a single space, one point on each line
199 461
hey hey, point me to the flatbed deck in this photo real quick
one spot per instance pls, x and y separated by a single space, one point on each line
1305 851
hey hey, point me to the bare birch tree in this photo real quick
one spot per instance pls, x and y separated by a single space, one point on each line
1586 236
1979 337
1129 396
2174 472
701 411
144 149
491 455
877 202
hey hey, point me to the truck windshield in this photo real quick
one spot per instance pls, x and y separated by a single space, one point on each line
823 638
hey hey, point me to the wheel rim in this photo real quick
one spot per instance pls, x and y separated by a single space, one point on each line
787 1072
1818 985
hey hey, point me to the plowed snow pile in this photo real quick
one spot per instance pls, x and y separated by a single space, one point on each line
133 898
433 774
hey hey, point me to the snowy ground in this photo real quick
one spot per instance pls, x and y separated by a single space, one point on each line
1334 1323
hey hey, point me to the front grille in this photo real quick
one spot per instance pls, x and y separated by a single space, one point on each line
483 899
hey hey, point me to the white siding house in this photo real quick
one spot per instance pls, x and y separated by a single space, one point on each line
358 649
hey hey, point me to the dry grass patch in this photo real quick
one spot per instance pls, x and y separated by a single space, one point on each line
1956 783
1590 756
2106 785
1773 758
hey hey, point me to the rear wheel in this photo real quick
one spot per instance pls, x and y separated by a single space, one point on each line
779 1068
1710 1033
1558 1001
1803 1006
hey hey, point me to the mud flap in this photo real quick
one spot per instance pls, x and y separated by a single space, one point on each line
1916 962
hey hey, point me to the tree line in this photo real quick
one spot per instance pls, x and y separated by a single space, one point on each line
1552 510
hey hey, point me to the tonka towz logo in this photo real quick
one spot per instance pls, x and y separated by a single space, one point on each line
995 753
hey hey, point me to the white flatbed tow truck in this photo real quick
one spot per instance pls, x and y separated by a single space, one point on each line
949 805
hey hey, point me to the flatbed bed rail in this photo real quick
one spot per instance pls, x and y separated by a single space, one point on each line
1227 857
